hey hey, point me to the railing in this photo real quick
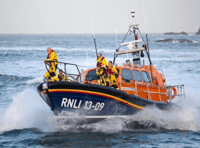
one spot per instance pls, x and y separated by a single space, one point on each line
169 90
148 89
65 69
151 92
180 92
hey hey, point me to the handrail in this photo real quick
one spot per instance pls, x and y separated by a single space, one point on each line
65 64
144 85
180 90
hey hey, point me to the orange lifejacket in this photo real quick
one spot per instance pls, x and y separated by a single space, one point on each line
109 71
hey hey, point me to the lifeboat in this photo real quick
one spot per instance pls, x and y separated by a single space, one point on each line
139 86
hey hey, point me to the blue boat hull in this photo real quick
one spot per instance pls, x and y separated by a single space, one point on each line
91 100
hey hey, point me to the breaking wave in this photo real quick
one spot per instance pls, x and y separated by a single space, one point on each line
27 110
35 81
186 117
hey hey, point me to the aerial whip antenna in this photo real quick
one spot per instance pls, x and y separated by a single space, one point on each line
145 26
116 36
95 44
87 57
148 52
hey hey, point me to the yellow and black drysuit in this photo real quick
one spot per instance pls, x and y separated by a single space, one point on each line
51 74
111 73
101 70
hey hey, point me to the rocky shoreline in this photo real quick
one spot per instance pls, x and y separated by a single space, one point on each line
175 40
198 33
174 33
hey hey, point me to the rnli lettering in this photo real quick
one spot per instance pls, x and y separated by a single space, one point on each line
64 101
70 103
88 105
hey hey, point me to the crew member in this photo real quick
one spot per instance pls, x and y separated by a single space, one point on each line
52 61
101 69
111 73
62 76
128 63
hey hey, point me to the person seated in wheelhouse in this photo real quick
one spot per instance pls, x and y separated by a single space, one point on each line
52 61
111 73
101 69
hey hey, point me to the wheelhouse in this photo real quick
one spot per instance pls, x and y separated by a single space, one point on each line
136 80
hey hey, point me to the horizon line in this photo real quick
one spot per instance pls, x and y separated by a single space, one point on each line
81 33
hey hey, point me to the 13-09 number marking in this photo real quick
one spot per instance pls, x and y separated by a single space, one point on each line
98 106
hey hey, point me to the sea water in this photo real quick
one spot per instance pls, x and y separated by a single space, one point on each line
27 121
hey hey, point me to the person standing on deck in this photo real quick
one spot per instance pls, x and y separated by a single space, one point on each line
52 61
101 69
111 73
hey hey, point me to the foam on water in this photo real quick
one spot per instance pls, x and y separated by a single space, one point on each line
195 41
185 116
35 81
27 110
113 125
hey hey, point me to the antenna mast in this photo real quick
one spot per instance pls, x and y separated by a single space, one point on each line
116 36
95 44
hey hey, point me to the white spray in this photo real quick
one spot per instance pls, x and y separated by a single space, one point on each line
27 110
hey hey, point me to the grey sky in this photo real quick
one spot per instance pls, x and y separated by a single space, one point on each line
74 16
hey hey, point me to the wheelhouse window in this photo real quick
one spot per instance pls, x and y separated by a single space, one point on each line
146 76
91 75
127 75
137 75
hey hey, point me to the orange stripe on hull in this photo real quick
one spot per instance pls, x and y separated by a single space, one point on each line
96 94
